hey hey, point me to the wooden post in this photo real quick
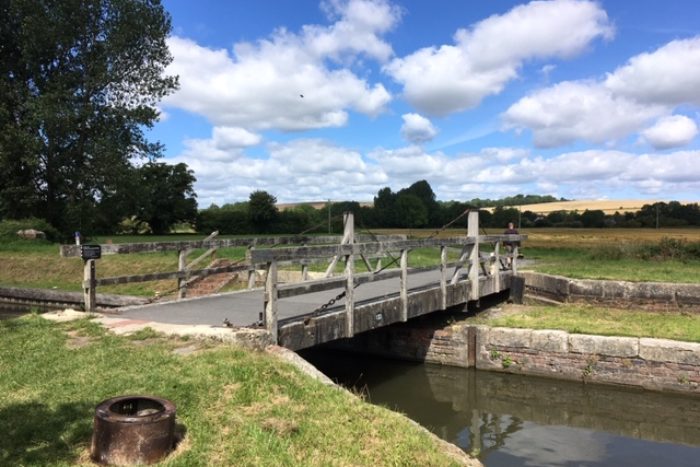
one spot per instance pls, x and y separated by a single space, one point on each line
403 294
304 269
251 270
496 266
182 269
89 286
443 277
349 237
270 317
474 265
514 263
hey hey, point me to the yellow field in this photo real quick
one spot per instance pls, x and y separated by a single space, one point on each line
607 206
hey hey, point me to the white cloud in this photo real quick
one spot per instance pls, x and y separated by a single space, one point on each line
284 81
234 137
671 132
356 29
451 78
573 110
417 129
668 76
649 86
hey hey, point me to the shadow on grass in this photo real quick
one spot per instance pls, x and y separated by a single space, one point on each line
36 434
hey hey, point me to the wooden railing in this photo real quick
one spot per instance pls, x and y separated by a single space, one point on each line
185 271
348 250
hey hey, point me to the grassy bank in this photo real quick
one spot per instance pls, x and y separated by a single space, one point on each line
237 407
586 319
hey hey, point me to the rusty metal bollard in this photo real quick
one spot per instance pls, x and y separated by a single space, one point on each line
133 430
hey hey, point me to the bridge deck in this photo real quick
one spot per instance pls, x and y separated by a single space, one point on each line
243 308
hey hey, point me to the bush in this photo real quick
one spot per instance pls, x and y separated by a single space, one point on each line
9 228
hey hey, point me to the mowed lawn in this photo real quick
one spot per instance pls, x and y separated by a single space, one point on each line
234 407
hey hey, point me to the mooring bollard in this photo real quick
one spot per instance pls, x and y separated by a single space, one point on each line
133 430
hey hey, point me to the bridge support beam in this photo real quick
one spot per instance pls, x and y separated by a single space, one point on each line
443 277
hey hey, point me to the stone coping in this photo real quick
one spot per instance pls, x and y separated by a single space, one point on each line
622 293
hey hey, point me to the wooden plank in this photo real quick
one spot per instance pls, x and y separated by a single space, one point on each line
270 315
396 243
474 259
72 298
403 287
443 277
158 276
182 278
127 248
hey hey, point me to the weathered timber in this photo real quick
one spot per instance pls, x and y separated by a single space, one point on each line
319 285
296 254
157 276
70 251
43 296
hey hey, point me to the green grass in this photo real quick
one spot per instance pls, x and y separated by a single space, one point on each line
586 319
580 264
237 407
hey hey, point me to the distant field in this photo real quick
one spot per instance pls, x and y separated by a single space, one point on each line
607 206
567 237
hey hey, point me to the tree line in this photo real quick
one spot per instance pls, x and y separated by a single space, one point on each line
417 207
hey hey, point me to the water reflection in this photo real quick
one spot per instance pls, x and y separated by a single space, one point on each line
515 420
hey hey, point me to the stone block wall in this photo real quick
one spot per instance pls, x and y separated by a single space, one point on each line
624 294
657 364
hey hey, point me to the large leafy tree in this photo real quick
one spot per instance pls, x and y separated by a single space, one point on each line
262 211
79 83
165 196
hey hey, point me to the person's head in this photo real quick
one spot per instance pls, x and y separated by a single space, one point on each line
510 225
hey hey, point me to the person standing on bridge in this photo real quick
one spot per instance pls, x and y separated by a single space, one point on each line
510 246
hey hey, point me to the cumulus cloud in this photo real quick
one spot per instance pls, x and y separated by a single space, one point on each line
668 76
483 58
648 87
417 129
573 110
671 132
285 81
310 169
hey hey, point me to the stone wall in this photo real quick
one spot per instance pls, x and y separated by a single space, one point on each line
656 364
619 293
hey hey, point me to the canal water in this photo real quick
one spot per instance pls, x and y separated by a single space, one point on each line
513 420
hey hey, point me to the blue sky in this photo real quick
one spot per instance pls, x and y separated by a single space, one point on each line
337 99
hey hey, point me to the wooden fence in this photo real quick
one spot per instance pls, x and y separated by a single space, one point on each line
185 271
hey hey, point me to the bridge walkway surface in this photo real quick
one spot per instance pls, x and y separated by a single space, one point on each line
243 308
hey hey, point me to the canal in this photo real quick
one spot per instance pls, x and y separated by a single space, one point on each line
513 420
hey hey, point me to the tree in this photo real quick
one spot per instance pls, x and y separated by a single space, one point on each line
411 211
79 82
422 190
262 211
165 196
